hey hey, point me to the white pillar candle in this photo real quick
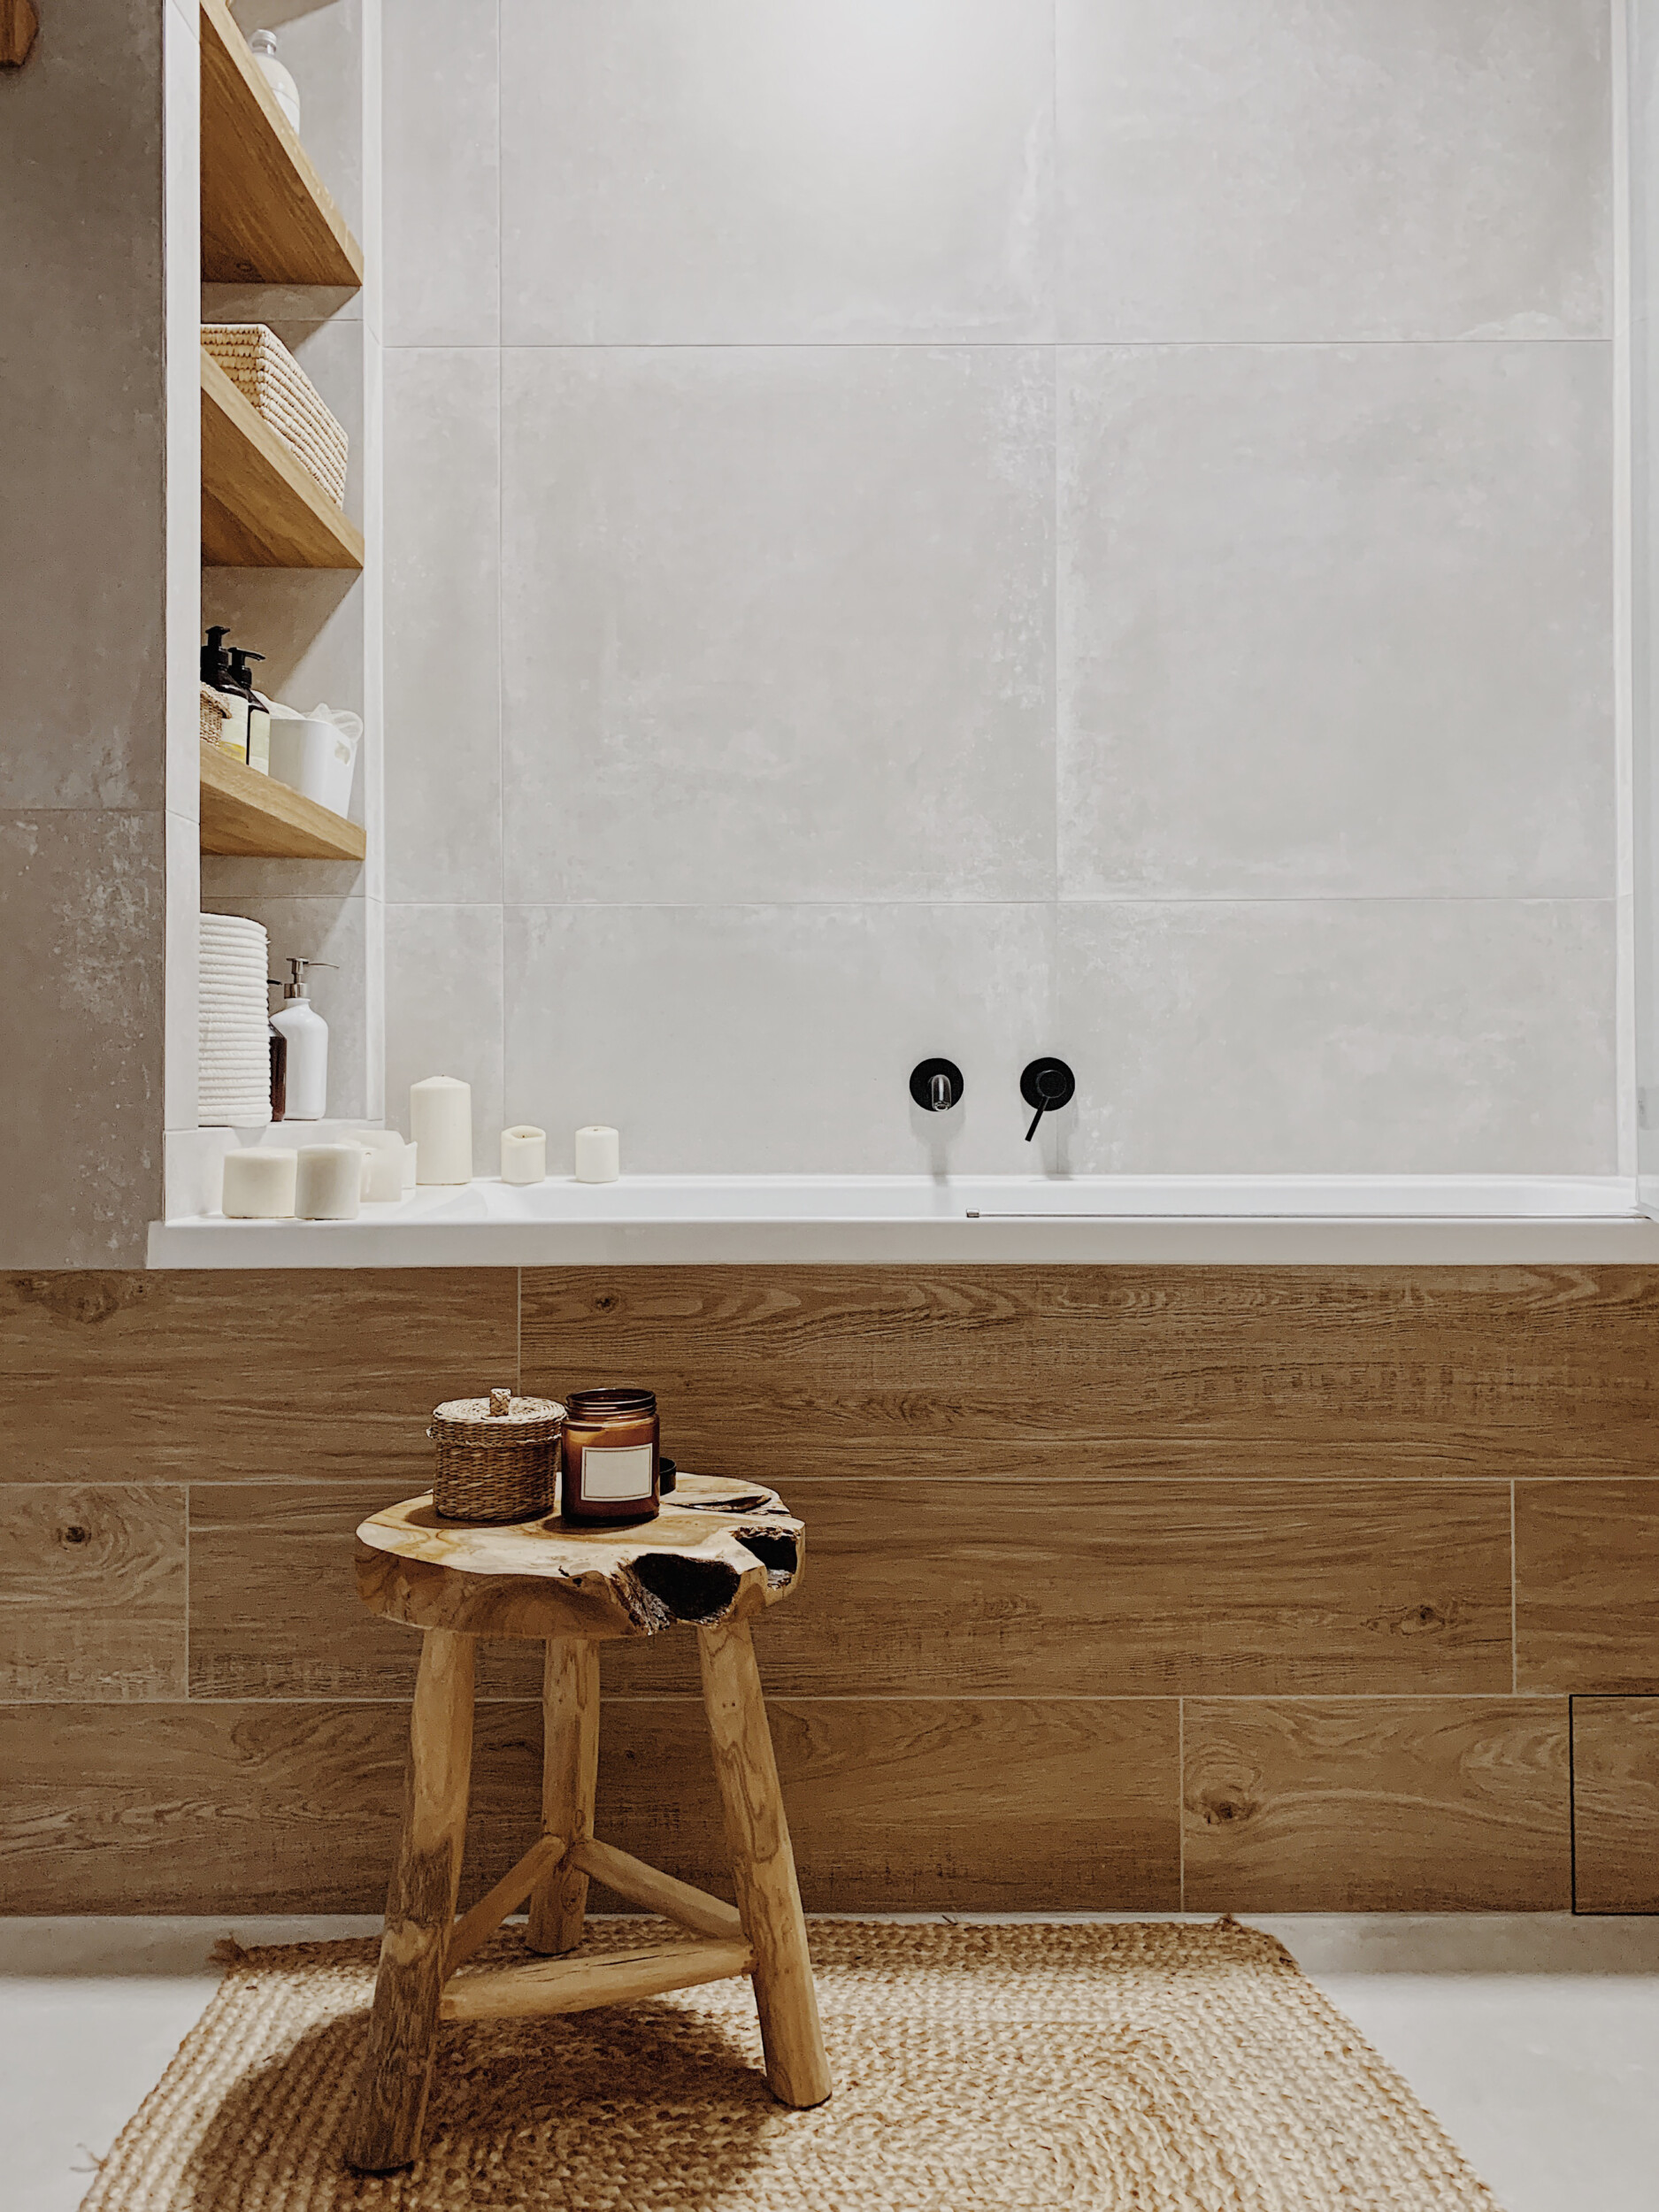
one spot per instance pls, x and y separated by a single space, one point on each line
524 1154
328 1182
383 1165
259 1184
598 1154
440 1124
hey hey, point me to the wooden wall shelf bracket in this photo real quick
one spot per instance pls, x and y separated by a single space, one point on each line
267 216
261 506
254 817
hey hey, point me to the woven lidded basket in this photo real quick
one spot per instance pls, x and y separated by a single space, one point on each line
274 385
498 1457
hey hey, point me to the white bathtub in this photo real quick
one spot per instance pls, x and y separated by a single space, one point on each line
689 1220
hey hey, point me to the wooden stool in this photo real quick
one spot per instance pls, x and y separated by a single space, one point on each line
717 1555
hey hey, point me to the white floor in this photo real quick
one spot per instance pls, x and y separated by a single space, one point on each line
1535 2037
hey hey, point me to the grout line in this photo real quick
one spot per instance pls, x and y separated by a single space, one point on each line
972 345
692 1697
1515 1650
1181 1796
1572 1815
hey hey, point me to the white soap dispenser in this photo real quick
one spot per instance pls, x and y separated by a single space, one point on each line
307 1035
278 75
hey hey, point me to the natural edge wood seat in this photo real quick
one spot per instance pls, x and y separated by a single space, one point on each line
718 1555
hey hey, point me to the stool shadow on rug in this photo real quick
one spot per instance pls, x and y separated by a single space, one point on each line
653 2104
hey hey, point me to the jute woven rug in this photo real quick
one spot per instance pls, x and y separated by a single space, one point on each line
1141 2068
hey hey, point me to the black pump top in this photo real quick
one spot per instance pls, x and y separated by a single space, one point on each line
241 673
215 659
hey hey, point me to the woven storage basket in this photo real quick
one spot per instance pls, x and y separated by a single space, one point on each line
498 1457
215 714
273 382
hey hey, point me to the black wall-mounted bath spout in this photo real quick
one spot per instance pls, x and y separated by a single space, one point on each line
936 1085
1046 1084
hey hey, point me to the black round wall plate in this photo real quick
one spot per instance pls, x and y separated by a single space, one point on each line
922 1083
1047 1083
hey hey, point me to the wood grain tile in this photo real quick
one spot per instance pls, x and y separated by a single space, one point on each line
1377 1805
993 1805
1248 1372
1112 1589
1615 1804
92 1602
210 1808
288 1808
275 1610
1587 1585
302 1374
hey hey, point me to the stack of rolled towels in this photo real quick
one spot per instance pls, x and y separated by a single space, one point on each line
233 1071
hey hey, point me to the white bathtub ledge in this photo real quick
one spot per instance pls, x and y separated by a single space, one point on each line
670 1221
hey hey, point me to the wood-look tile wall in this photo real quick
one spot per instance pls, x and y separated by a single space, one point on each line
1253 1589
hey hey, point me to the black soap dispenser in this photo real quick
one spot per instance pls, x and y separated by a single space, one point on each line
217 676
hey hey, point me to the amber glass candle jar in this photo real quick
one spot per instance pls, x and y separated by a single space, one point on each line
611 1472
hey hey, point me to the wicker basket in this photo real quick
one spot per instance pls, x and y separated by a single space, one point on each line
215 714
273 382
498 1457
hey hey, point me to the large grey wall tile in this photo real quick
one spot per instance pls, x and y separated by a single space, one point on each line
1336 620
441 176
81 572
443 626
755 169
1341 1036
776 1038
82 919
777 623
1232 169
443 993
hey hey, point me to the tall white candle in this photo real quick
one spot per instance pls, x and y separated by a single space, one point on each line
441 1124
260 1183
329 1182
524 1154
598 1154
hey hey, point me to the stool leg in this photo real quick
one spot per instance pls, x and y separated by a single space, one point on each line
391 2105
763 1866
569 1771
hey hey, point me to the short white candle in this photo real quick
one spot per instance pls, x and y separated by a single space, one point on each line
328 1182
598 1154
260 1183
384 1185
440 1124
524 1154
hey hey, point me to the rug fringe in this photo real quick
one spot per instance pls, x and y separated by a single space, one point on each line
227 1952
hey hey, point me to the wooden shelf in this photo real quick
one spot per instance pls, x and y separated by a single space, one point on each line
256 818
261 506
267 216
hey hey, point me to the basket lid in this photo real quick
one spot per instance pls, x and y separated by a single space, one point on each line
497 1418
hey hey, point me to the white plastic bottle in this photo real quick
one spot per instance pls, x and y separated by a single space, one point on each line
307 1034
278 75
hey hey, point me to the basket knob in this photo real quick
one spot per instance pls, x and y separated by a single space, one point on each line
500 1404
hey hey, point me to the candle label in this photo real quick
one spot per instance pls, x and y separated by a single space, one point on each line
616 1471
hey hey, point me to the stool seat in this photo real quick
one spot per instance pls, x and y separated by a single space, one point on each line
717 1551
718 1555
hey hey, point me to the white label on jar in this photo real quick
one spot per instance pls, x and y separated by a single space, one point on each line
616 1471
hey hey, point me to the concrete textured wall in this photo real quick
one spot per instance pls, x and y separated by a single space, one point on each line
82 668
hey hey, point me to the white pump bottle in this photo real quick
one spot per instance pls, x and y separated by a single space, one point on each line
307 1035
